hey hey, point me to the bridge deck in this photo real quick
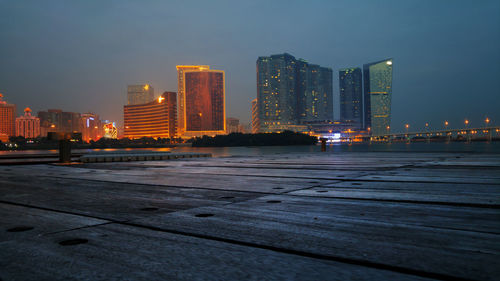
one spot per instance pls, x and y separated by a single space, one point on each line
377 216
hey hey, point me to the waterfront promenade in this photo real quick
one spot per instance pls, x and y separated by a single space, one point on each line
294 216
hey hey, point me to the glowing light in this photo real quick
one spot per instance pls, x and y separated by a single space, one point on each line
52 126
389 62
446 123
466 122
160 99
487 120
146 87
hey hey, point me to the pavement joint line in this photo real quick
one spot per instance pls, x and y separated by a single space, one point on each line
78 228
456 204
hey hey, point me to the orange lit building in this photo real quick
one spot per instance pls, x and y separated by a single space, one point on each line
255 117
204 103
7 119
28 126
157 119
181 69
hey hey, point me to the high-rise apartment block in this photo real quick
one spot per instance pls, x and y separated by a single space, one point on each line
140 94
7 119
292 92
204 110
181 102
28 126
157 119
351 97
377 96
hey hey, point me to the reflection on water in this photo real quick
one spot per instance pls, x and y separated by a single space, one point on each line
477 147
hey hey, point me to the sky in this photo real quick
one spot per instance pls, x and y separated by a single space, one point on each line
80 56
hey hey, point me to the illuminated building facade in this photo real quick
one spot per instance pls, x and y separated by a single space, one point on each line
91 127
377 96
205 110
110 131
255 117
56 120
28 126
351 96
7 119
157 119
140 94
291 92
181 69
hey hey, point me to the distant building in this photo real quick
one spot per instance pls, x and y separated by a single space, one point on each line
140 94
377 96
204 99
7 119
255 117
91 127
56 120
181 102
233 125
157 119
291 92
351 96
28 126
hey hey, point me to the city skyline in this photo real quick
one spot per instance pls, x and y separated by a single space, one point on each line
87 70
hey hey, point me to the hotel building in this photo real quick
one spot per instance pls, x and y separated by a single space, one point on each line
28 126
204 102
157 119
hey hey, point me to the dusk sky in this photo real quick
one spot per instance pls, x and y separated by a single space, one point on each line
80 55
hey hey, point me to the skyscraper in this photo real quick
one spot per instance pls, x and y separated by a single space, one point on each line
204 102
28 126
7 118
316 102
291 92
157 119
181 94
351 96
377 96
91 127
140 94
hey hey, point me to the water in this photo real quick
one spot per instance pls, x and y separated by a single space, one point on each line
458 147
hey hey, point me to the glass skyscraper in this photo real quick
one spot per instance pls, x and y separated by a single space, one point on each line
351 96
291 92
377 96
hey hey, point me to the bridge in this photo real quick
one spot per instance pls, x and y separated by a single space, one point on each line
467 134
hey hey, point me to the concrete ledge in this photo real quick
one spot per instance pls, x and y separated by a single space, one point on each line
134 156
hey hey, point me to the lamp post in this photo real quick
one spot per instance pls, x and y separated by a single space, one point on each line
487 121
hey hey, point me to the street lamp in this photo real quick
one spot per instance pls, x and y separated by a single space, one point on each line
487 121
446 124
388 129
407 126
466 123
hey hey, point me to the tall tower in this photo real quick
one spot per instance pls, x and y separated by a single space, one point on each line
7 118
204 102
140 94
181 93
377 96
351 96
